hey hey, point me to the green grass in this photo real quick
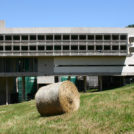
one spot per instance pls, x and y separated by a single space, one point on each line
106 112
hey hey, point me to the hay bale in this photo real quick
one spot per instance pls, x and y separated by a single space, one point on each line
57 98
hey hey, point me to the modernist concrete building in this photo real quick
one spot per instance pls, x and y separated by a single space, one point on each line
65 51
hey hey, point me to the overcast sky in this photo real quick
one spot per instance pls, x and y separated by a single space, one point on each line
67 13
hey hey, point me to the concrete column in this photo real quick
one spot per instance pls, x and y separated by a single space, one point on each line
7 101
85 83
100 82
23 88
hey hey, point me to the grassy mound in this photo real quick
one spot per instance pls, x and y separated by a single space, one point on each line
105 112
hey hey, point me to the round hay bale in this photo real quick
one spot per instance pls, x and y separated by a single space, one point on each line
57 98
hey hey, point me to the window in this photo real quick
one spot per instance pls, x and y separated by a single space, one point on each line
24 48
115 47
82 37
1 37
131 40
90 37
49 47
32 48
123 47
16 37
82 47
74 37
41 37
41 47
98 37
66 37
49 37
115 37
8 48
1 48
24 37
107 48
32 37
123 37
66 47
90 47
16 48
107 37
99 47
74 47
57 47
8 37
57 37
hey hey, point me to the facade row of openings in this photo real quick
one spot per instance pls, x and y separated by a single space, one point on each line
65 47
18 65
63 37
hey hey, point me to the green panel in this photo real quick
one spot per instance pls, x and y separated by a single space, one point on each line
64 78
73 79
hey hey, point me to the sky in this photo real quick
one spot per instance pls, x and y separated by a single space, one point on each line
67 13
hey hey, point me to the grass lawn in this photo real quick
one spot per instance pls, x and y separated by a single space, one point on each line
106 112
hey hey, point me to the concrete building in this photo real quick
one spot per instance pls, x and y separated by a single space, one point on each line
66 51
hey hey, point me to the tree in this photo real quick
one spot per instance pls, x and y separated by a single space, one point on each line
132 25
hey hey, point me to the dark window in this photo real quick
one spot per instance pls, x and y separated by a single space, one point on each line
123 47
16 37
74 37
107 48
98 37
115 37
82 37
41 37
66 37
24 37
82 47
41 48
32 47
131 39
8 48
57 47
1 37
49 37
74 47
66 47
98 47
90 37
49 47
123 37
90 47
24 48
16 48
115 47
107 37
57 37
1 48
32 37
8 37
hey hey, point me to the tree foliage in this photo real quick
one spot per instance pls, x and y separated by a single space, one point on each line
132 25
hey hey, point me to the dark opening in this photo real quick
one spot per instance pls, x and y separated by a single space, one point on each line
131 39
74 37
32 37
8 48
98 37
24 37
41 37
74 47
90 47
24 48
16 37
57 37
49 47
115 37
57 47
115 47
123 47
123 37
82 37
107 48
82 47
66 37
32 47
16 48
66 47
107 37
40 48
1 48
90 37
1 37
8 37
49 37
98 47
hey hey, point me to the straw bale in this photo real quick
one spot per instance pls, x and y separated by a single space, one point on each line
57 98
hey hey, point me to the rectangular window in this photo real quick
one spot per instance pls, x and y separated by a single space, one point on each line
82 37
49 37
57 37
123 47
98 37
24 48
107 37
66 47
82 47
41 48
115 37
115 47
90 47
8 48
66 37
74 37
16 48
99 47
1 48
16 37
8 37
1 37
107 47
123 37
49 47
32 37
41 37
57 47
90 37
74 47
24 37
32 48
